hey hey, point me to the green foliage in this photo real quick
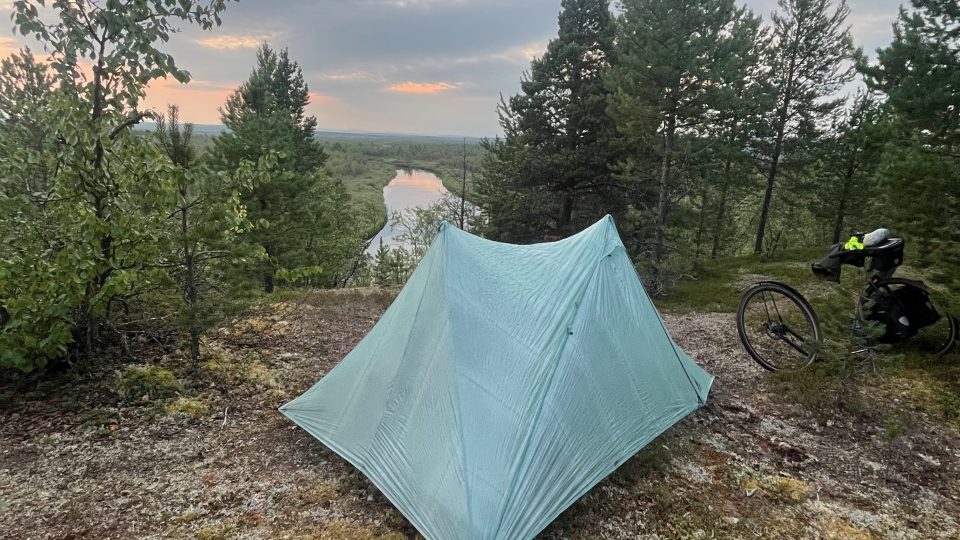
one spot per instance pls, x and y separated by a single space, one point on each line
302 216
551 174
204 256
153 382
679 65
846 190
84 203
919 74
808 62
183 406
390 266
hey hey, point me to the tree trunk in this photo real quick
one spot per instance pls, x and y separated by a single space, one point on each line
721 211
783 115
702 222
269 278
844 195
566 211
190 282
463 192
663 199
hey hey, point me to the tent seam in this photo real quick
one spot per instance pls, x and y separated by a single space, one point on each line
459 401
553 372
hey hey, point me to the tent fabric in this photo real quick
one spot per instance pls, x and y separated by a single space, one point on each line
503 383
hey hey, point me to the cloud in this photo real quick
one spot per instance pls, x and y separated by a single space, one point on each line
322 99
8 46
232 41
199 100
359 75
420 3
410 87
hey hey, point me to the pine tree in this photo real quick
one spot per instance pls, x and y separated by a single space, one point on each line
849 158
740 99
268 111
205 224
919 73
668 89
808 62
302 215
551 174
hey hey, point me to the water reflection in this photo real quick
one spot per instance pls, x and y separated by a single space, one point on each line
410 188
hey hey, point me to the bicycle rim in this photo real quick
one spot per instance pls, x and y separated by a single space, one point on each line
778 327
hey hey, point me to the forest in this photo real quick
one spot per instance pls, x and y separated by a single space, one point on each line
708 132
704 130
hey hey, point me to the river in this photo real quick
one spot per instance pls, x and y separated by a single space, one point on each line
409 189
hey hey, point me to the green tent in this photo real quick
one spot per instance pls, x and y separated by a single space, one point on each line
503 383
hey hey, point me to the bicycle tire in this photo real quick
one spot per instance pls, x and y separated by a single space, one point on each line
805 308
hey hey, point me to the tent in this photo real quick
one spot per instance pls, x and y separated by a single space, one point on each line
503 383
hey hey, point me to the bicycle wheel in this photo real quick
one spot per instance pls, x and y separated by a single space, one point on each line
778 327
882 297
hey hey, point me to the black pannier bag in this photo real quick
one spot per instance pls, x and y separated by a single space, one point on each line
903 312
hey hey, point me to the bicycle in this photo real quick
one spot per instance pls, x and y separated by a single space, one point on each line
780 329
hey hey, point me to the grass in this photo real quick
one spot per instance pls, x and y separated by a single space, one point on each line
716 284
842 380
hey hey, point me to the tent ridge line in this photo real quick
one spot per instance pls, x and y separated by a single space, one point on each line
458 414
556 362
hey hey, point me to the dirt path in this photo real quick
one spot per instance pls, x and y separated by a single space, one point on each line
752 464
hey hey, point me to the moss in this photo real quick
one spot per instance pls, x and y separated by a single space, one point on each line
229 371
146 382
321 494
188 516
894 427
341 529
215 532
834 529
194 408
786 488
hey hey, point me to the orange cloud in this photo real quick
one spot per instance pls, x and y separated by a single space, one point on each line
8 46
321 99
231 42
411 87
199 100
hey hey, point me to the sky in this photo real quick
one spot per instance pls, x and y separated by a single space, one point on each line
431 67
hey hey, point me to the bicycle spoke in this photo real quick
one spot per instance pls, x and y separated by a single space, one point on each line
779 336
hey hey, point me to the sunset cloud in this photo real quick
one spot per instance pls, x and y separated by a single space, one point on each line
411 87
8 46
232 42
321 99
360 75
199 100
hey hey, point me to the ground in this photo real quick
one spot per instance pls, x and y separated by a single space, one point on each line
134 453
